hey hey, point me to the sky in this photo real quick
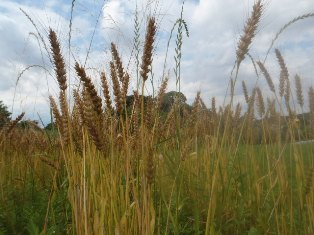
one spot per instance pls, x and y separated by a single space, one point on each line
208 54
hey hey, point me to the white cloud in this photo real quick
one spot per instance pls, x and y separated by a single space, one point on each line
208 54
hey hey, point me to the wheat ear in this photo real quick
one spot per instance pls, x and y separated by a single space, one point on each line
260 102
161 93
299 92
58 60
267 76
106 92
147 57
118 62
245 92
249 32
14 123
284 74
96 100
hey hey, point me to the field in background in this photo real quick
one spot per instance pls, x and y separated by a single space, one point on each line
126 162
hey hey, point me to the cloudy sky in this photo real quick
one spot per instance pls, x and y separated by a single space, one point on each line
208 54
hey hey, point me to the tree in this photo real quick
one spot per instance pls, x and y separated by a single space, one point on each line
4 114
51 126
170 98
29 124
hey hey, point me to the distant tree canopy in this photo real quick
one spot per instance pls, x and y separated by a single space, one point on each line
167 102
25 124
170 98
130 100
29 124
4 114
51 126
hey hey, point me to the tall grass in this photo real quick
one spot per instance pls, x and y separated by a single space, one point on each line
116 165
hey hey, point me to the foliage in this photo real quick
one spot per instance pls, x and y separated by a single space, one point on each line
4 114
170 98
23 210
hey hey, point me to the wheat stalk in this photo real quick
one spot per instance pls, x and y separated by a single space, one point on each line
311 106
260 102
213 106
106 92
150 167
287 94
249 32
299 92
161 93
79 104
267 76
302 17
125 87
90 88
135 113
284 74
118 62
55 111
147 57
245 92
58 60
65 116
116 87
309 181
91 121
13 123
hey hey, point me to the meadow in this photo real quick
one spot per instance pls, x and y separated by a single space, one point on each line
126 162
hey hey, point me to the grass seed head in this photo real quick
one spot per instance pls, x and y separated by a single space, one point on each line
267 76
58 60
249 31
147 57
299 92
90 88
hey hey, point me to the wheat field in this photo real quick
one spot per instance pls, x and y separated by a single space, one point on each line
118 160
